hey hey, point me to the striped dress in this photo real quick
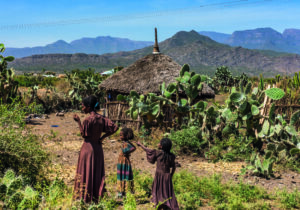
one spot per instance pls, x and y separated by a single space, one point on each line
124 169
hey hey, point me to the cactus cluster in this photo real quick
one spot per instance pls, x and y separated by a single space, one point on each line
223 80
15 195
243 112
245 109
261 167
150 106
8 86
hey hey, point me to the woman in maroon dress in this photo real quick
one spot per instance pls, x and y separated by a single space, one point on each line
162 187
90 174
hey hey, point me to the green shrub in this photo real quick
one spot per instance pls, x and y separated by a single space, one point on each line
231 148
56 191
129 202
191 192
14 195
187 140
30 81
290 200
20 149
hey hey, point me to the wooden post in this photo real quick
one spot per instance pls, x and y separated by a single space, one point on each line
262 112
119 112
139 123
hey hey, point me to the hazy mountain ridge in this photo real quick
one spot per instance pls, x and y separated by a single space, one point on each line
260 38
200 52
98 45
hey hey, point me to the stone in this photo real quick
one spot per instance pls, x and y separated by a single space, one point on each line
60 114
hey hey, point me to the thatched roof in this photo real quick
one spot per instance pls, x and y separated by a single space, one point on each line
207 92
144 76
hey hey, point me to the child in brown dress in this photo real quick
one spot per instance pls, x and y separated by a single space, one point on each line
124 169
162 187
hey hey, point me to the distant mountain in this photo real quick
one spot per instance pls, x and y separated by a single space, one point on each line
292 35
218 37
200 52
98 45
261 38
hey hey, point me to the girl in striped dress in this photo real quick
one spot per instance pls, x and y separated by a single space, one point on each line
124 169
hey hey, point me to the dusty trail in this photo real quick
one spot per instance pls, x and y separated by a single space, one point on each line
64 143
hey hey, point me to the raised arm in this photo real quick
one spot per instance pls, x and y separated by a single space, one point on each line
77 119
141 145
151 153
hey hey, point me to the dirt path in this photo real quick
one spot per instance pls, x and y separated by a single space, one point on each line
64 142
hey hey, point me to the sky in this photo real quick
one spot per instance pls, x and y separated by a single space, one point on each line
30 23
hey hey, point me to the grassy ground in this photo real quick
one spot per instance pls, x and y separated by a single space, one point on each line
198 183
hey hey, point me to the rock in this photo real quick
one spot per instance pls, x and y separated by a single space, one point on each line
60 114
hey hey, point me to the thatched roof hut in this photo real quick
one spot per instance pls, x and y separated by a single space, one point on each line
143 76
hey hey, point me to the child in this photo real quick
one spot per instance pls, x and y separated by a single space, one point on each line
162 187
124 174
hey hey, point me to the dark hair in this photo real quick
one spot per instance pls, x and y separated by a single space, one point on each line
128 133
166 145
91 101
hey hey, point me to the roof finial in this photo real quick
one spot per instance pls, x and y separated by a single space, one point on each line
155 47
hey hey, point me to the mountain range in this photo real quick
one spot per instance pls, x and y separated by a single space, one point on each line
200 52
98 45
260 38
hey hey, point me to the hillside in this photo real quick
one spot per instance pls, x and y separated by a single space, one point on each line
202 53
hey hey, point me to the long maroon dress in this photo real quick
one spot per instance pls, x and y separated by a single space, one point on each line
162 187
90 173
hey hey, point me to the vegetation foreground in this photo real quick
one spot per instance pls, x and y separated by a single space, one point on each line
239 129
33 187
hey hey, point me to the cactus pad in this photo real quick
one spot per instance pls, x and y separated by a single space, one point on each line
295 117
275 93
254 110
185 68
237 97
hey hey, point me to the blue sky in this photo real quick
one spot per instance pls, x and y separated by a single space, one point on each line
28 23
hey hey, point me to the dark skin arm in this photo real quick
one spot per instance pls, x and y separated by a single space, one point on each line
173 170
141 145
77 119
105 136
132 146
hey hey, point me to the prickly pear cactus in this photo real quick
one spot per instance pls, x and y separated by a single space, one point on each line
295 118
185 68
3 189
31 199
275 93
15 185
237 97
9 176
8 87
14 200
